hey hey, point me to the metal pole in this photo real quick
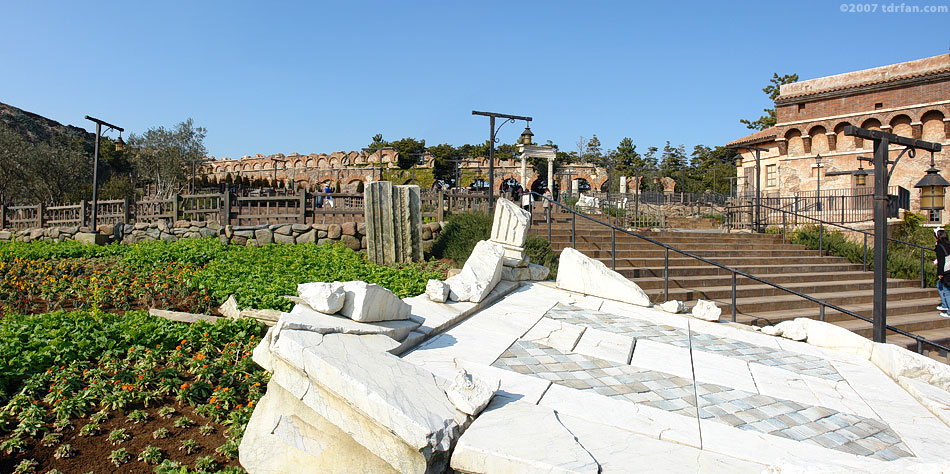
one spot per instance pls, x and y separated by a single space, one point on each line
758 188
821 312
95 177
491 164
922 268
666 276
821 248
783 226
865 252
733 296
573 228
613 249
880 238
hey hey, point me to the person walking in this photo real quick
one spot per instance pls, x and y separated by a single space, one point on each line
546 204
943 272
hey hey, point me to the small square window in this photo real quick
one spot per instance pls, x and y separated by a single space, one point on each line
935 216
771 176
801 107
879 106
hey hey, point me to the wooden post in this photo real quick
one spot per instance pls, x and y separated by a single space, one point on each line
3 216
302 207
226 208
39 215
127 208
175 208
441 213
82 213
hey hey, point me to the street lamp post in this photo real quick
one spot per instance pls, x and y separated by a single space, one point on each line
491 147
95 164
817 166
882 141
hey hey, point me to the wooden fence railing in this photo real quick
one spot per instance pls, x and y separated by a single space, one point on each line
229 209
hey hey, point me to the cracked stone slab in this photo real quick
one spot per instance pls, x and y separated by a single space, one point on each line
520 437
558 334
306 318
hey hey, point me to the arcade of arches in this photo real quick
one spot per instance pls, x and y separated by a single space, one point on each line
349 171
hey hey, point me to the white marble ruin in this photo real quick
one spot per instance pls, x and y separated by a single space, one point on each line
323 297
488 374
510 230
581 274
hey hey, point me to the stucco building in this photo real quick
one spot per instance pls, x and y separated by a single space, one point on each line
911 99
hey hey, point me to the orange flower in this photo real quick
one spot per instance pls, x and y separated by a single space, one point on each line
250 403
257 384
184 385
213 399
204 366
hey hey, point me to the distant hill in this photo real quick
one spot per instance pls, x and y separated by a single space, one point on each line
37 128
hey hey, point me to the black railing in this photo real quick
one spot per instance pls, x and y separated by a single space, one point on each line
822 305
734 212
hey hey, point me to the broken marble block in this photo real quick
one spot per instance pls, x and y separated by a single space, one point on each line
793 330
707 310
304 318
582 274
510 230
471 394
230 308
673 306
323 297
437 291
480 274
397 410
530 272
369 302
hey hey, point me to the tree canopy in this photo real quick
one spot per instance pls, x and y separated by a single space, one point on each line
772 90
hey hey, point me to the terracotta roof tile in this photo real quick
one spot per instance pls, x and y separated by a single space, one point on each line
757 137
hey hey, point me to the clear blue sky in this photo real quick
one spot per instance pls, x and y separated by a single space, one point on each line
311 77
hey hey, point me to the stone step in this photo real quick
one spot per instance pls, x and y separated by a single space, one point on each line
584 243
677 260
712 254
762 271
753 289
899 301
703 281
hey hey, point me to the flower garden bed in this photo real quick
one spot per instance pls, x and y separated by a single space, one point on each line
89 382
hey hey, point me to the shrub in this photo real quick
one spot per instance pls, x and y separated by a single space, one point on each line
539 251
461 233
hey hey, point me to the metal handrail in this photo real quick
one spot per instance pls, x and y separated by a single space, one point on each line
923 283
666 274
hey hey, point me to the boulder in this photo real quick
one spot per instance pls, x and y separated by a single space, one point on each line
369 302
301 228
207 232
538 272
264 236
437 291
351 242
230 308
107 229
706 310
793 330
326 241
36 233
470 394
334 231
582 274
771 331
361 228
481 272
515 273
309 236
426 233
239 240
5 235
284 238
90 238
348 228
828 335
323 297
284 229
673 306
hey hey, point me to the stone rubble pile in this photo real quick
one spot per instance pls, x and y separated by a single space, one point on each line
339 401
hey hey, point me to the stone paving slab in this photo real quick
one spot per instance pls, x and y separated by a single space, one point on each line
761 399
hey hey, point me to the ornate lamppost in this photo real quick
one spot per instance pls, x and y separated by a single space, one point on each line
883 167
491 147
817 167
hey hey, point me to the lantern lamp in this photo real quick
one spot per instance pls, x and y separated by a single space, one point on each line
526 136
932 188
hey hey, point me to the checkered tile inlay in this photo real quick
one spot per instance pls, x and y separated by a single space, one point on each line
638 328
743 410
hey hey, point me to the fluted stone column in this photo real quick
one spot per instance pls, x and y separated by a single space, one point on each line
393 216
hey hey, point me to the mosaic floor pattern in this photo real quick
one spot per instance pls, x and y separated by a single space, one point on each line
637 328
744 410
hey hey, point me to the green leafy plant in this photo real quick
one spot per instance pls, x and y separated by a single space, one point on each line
52 439
205 463
90 429
150 455
461 233
138 416
119 456
229 449
183 422
189 446
166 411
64 451
119 436
14 444
170 467
161 433
99 417
26 466
539 251
207 430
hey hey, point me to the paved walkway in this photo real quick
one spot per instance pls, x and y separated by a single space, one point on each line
617 368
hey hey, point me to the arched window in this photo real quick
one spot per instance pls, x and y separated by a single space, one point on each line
819 141
795 144
934 129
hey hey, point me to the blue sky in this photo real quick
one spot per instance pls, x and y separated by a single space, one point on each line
311 77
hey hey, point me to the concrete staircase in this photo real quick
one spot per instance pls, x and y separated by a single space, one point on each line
832 279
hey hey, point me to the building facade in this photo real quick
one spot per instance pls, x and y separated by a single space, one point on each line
911 99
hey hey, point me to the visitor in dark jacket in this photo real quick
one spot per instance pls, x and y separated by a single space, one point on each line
943 287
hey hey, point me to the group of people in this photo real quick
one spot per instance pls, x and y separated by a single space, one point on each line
325 201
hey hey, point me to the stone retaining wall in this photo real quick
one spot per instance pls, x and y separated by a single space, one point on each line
352 234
